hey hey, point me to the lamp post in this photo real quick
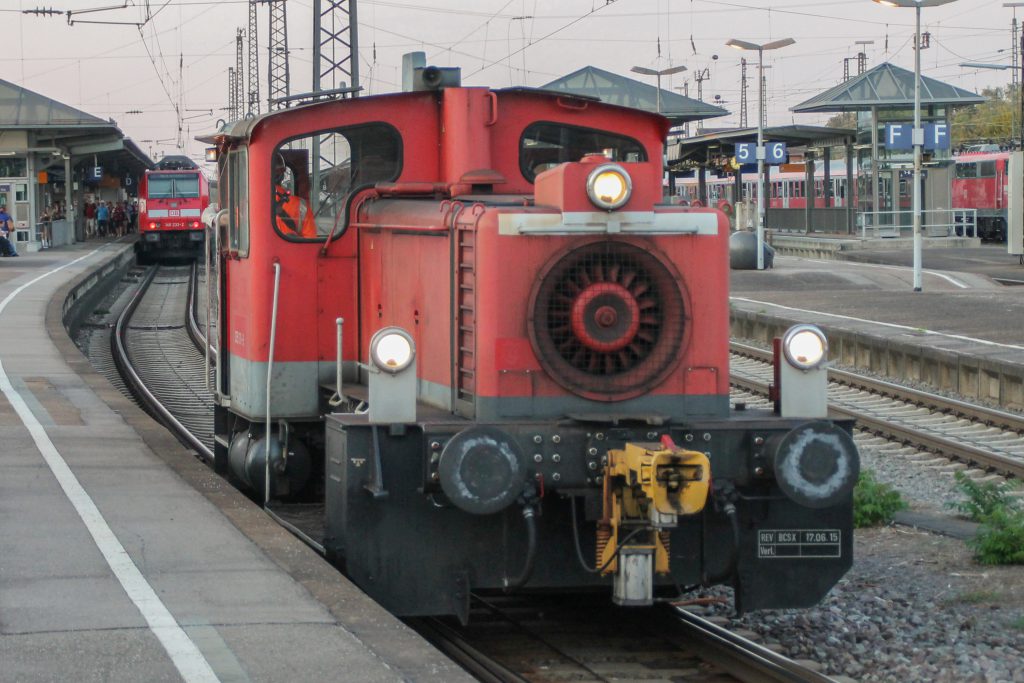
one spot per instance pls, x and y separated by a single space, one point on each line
654 72
773 45
1000 67
918 135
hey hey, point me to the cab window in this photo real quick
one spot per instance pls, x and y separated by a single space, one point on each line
967 170
546 145
236 187
313 176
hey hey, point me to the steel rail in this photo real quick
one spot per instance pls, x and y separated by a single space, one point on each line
448 641
191 324
907 434
742 658
991 416
142 394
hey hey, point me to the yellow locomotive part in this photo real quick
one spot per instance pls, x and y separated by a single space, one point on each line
647 486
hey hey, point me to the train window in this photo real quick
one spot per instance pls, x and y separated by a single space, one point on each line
173 185
967 170
546 145
237 188
315 175
987 169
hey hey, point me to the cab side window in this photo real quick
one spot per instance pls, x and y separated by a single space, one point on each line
314 176
234 184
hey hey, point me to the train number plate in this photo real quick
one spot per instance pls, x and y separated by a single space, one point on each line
806 543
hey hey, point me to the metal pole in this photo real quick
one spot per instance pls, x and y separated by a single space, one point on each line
760 161
918 141
659 92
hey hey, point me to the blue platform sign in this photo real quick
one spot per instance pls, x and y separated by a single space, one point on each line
774 152
900 136
97 173
936 136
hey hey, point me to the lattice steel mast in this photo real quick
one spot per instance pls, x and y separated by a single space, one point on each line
239 76
278 81
254 64
743 93
335 45
232 95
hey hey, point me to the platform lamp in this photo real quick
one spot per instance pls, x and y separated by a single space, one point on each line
918 135
773 45
654 72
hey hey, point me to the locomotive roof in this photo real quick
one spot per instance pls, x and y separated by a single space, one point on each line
243 128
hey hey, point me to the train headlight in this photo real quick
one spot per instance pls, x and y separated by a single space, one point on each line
392 349
609 186
805 346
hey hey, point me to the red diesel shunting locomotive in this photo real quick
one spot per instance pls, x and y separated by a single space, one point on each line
502 363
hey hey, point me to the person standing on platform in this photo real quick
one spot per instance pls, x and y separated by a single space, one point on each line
119 218
6 226
90 219
102 219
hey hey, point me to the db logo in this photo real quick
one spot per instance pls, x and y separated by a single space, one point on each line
174 212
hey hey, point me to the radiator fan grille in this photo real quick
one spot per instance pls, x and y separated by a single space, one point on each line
607 320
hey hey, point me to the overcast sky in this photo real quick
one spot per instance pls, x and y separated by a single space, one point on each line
182 52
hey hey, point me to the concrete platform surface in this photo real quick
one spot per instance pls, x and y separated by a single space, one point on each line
960 303
123 558
962 333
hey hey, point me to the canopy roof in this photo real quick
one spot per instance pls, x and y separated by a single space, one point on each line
627 92
885 86
22 108
702 148
59 125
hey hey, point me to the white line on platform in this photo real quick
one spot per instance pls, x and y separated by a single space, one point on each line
948 278
189 661
908 328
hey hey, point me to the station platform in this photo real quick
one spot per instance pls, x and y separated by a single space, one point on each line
962 333
123 558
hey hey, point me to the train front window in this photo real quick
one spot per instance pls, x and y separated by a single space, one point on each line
314 176
546 145
172 186
967 170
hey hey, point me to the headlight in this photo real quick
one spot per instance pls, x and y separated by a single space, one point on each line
609 186
392 349
805 346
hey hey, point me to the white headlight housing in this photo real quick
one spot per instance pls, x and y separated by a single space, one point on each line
805 346
392 349
609 186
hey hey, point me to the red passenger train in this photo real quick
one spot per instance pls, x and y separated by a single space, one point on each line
981 182
172 199
502 363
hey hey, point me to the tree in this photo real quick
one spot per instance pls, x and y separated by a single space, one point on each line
846 119
997 120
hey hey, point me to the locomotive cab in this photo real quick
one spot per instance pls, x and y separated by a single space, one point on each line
462 327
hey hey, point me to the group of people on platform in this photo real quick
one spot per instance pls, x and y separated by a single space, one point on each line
110 219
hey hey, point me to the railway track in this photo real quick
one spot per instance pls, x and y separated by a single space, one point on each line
157 345
158 360
515 640
982 437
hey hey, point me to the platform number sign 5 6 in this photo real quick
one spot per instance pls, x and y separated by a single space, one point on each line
774 152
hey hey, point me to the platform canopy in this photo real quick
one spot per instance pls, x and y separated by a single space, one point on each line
54 124
701 149
886 86
627 92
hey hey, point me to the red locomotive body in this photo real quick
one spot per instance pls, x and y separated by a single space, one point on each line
172 199
497 330
981 182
